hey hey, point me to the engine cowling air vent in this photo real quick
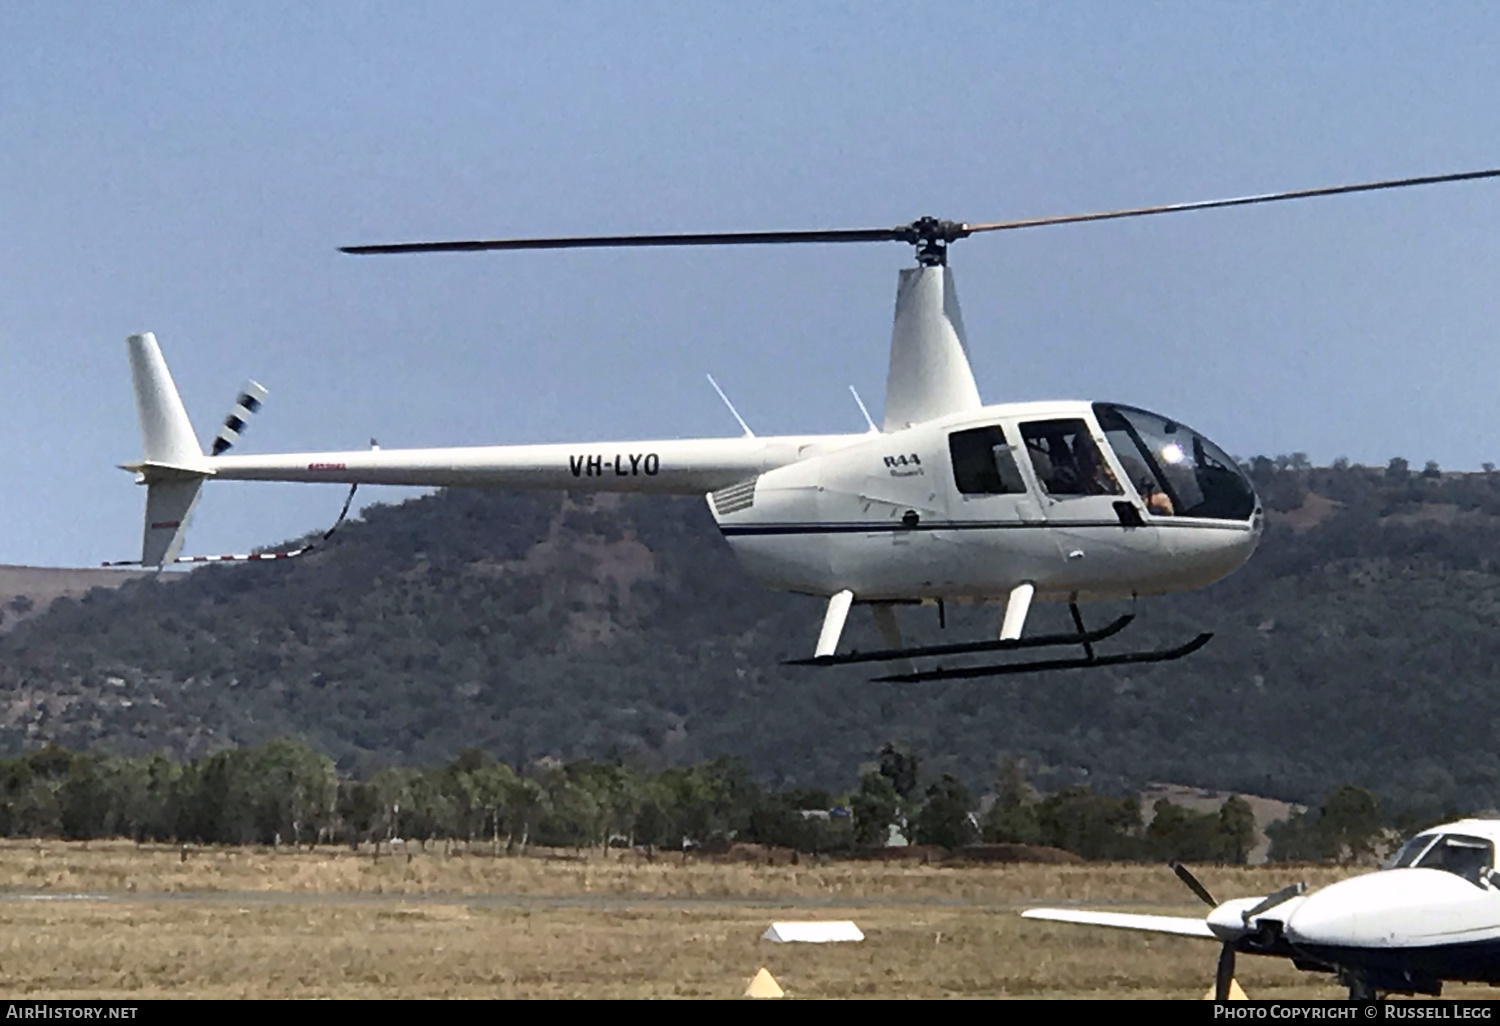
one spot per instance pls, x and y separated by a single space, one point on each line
734 498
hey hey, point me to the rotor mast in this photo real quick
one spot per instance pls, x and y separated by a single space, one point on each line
929 374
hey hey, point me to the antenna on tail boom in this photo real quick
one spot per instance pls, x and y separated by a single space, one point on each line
733 412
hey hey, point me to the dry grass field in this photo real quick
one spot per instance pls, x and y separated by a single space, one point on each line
117 920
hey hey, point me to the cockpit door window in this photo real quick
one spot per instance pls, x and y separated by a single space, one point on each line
1410 851
1469 857
984 463
1066 460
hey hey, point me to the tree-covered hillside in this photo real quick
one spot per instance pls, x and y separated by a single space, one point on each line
1359 645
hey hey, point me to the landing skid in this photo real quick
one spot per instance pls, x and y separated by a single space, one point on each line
903 656
970 648
1001 669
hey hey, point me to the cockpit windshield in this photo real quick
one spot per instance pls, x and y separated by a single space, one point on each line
1410 851
1469 857
1177 471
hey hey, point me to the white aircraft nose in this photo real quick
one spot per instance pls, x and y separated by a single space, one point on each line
1201 557
1392 909
1324 920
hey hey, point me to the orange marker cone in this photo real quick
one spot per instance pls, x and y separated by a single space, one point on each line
764 986
1235 993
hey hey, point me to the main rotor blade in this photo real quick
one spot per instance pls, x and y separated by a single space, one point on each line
898 233
1242 201
928 233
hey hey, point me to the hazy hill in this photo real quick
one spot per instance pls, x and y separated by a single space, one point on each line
1359 645
26 591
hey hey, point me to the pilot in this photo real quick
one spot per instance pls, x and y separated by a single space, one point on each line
1467 860
1157 501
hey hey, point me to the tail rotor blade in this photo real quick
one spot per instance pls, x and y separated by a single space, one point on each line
245 404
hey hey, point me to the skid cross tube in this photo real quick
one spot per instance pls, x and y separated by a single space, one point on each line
1088 649
1001 669
1086 638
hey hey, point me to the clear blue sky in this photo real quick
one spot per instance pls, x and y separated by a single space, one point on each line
191 169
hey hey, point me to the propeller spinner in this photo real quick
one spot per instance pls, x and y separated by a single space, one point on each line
1224 971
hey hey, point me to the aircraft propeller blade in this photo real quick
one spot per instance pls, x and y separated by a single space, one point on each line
925 232
1193 884
1270 901
1224 973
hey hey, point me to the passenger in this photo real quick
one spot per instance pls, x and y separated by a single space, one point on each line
1041 463
1097 478
1061 468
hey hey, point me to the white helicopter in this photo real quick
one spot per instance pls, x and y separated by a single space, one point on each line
949 500
1431 915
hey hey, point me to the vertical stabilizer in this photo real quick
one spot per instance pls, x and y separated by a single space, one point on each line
169 506
172 462
166 433
929 375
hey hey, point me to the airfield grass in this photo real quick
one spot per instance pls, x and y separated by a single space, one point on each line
116 920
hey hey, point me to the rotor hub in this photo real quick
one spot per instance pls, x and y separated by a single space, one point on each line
931 236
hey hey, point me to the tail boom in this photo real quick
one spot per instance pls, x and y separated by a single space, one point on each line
173 466
664 467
